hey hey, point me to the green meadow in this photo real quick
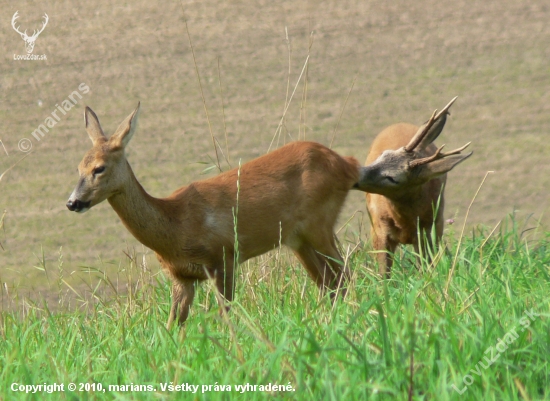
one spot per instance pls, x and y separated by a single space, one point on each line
473 325
83 305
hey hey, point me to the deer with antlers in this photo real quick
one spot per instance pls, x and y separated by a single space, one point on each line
291 196
404 180
29 40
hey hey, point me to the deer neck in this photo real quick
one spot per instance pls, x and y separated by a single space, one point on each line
408 197
142 214
417 201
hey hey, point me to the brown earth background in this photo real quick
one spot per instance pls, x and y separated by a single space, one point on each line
397 61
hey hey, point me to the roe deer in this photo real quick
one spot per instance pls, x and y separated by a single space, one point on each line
404 180
291 196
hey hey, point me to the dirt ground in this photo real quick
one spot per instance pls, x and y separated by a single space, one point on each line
392 61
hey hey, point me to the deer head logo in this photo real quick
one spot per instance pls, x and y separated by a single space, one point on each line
29 40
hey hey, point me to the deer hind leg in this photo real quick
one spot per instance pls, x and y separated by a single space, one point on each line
333 266
183 292
309 259
225 281
431 231
326 267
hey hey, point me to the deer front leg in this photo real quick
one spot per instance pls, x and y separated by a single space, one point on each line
386 248
183 292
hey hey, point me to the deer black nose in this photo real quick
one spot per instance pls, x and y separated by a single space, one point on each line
71 205
76 205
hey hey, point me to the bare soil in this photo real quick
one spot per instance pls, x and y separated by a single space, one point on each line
397 61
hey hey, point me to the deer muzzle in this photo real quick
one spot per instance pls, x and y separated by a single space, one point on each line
368 179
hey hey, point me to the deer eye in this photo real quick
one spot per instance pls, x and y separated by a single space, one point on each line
98 170
391 179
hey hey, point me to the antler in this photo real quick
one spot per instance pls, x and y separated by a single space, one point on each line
437 155
24 34
15 16
46 19
426 127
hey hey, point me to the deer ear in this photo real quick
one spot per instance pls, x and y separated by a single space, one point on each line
125 130
441 166
93 128
433 132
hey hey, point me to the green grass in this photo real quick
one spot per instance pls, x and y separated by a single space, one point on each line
280 332
105 322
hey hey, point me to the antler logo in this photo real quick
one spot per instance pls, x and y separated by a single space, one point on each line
29 40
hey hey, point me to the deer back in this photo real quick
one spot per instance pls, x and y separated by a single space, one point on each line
269 200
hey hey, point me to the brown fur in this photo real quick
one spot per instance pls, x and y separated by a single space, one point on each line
404 178
291 196
396 216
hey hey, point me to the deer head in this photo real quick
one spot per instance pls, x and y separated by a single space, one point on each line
104 168
29 40
397 170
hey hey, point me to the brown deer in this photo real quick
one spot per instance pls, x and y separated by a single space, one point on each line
404 180
291 196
